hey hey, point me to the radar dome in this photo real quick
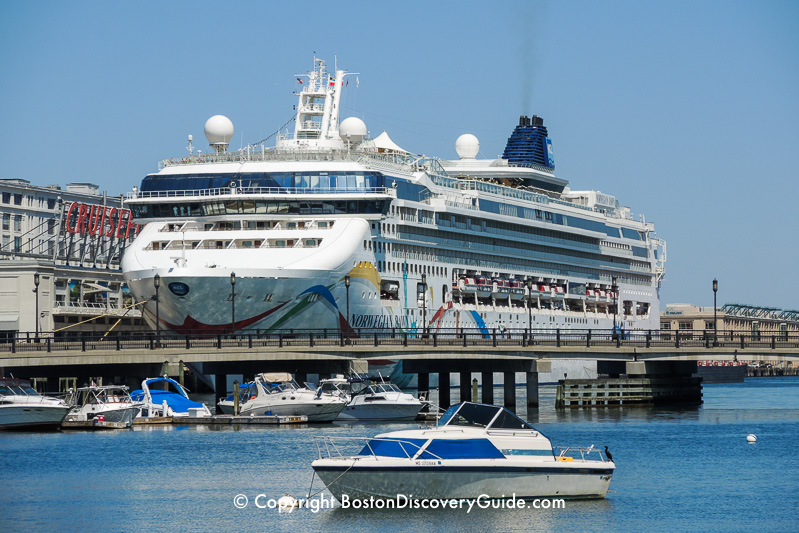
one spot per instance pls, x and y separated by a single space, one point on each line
218 131
353 126
467 146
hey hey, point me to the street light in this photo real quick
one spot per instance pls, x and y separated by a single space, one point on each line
614 288
347 286
232 303
157 285
36 291
424 303
715 330
529 305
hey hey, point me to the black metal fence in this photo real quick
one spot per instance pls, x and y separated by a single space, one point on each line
250 339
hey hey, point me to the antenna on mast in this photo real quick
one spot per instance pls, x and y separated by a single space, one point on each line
190 148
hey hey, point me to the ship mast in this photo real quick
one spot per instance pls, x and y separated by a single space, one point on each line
318 105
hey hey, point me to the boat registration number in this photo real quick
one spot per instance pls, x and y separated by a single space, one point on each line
428 463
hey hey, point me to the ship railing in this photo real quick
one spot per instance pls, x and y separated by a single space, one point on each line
228 192
578 453
349 447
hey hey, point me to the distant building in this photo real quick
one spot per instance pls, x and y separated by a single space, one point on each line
69 240
731 318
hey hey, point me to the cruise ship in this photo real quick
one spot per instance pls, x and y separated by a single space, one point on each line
331 228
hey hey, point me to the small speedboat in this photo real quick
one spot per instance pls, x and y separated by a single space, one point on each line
21 407
102 406
376 401
475 451
226 404
278 394
164 397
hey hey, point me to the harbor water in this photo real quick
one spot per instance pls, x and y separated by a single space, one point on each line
678 469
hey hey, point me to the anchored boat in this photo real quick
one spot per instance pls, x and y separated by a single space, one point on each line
21 407
476 450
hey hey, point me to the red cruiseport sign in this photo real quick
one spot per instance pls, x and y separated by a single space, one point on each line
100 220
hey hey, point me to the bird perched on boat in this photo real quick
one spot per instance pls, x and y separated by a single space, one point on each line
608 454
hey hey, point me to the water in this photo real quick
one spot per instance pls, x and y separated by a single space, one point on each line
677 470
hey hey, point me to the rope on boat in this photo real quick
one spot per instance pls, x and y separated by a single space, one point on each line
329 484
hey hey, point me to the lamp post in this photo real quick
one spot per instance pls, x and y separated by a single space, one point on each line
715 330
157 285
614 288
36 292
347 286
424 303
232 303
530 305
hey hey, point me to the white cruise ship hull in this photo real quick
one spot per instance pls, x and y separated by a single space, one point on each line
498 478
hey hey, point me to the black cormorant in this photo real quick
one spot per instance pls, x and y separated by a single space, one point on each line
608 454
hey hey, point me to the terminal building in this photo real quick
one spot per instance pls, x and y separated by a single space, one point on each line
730 318
59 261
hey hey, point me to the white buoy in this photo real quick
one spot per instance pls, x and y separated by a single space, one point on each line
751 438
287 503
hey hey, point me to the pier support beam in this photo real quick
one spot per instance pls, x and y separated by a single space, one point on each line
423 385
444 397
509 382
220 384
488 387
532 390
466 386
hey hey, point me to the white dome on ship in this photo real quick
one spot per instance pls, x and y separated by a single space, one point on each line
353 126
218 130
467 146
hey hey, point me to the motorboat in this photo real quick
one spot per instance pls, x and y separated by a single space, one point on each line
165 397
226 404
101 406
375 401
21 407
279 394
475 451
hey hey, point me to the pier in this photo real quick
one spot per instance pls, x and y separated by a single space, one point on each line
633 355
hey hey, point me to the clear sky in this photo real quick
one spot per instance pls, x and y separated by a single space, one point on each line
686 111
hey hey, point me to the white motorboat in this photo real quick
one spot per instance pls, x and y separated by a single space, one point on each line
21 407
164 397
226 404
279 394
475 451
102 406
376 401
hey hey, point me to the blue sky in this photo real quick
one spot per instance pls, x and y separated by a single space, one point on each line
687 112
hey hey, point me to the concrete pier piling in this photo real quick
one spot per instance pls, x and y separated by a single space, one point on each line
488 387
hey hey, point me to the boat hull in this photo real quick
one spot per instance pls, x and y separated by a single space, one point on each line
416 480
32 416
316 412
381 411
121 416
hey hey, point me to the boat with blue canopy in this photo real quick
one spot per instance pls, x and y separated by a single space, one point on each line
475 450
164 397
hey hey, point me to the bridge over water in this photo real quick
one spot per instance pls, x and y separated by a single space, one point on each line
640 353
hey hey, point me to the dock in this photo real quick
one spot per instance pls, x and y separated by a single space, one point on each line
238 420
93 424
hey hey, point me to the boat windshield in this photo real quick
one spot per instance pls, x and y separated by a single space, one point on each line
386 387
475 414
